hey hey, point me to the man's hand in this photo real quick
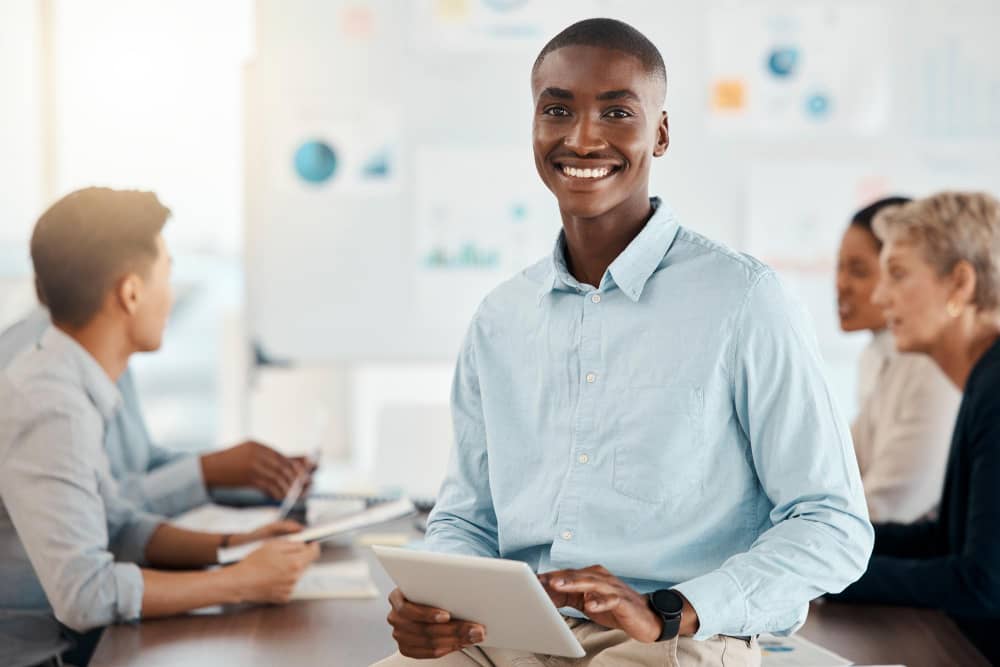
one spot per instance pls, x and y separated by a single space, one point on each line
252 464
270 573
276 529
608 601
428 632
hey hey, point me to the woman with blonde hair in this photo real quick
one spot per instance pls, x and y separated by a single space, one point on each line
940 289
907 406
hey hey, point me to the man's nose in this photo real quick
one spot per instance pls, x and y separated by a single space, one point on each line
584 138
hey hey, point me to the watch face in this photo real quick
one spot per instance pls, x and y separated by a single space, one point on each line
667 602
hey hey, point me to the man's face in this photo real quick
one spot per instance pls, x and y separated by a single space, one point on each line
155 298
598 124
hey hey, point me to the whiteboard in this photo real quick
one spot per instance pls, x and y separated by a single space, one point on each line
422 112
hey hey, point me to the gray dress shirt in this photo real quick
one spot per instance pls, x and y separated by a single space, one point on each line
159 480
69 543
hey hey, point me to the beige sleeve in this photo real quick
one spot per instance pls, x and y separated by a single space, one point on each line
908 455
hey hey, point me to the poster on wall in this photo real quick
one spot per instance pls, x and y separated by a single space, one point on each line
346 154
494 25
798 69
954 76
480 215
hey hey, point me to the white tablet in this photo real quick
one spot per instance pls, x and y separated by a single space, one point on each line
504 596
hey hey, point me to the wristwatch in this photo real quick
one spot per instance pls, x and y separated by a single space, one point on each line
667 604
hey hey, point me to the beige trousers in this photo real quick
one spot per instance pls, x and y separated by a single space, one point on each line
605 648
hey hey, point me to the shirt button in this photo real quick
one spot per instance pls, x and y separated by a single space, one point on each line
567 535
596 298
591 378
583 458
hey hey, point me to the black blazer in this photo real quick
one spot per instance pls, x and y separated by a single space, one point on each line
953 563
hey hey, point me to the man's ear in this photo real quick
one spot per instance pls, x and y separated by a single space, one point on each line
129 292
662 135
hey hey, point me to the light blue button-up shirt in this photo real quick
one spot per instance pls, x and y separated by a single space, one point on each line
160 480
672 424
69 542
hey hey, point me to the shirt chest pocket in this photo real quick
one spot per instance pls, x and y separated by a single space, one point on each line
658 441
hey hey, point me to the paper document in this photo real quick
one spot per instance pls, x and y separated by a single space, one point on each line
347 580
796 652
212 518
370 517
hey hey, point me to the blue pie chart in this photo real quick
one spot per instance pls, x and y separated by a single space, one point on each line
315 161
782 62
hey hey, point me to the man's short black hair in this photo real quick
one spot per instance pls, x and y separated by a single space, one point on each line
86 241
609 34
864 217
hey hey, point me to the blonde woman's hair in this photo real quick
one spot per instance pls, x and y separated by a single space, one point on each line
951 227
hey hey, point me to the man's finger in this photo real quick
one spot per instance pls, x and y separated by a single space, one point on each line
396 599
423 614
602 603
277 485
459 629
268 459
586 586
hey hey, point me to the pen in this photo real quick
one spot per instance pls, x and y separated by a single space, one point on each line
295 490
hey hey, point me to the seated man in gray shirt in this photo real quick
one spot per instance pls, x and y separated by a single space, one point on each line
161 480
74 554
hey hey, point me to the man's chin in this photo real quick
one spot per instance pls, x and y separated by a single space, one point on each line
584 207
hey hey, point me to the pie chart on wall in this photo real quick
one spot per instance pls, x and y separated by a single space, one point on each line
315 161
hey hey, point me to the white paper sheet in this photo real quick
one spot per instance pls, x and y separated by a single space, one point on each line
327 581
796 652
374 516
212 518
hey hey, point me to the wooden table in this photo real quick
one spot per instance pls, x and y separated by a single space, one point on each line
353 633
890 635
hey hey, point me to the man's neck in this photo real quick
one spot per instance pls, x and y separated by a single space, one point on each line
962 347
104 343
592 244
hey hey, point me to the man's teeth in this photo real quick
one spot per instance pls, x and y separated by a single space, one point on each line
600 172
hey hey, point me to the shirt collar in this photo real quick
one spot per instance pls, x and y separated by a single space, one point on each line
884 343
633 268
102 391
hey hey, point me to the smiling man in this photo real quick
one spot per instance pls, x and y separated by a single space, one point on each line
641 417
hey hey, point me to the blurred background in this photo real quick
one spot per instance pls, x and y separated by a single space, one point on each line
349 178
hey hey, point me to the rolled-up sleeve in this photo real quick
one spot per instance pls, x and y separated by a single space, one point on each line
820 537
68 518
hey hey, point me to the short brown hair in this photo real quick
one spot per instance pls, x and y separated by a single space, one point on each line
86 241
951 227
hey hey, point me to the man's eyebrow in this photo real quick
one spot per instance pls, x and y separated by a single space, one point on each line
618 95
560 93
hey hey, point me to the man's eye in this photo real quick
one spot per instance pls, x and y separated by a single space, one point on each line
555 111
618 113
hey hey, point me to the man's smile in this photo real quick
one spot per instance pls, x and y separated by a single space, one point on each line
579 170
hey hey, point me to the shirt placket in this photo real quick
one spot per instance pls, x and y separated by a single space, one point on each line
583 454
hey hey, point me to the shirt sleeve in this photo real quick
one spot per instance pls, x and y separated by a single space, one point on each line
463 519
57 501
170 489
904 477
819 538
172 481
965 583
